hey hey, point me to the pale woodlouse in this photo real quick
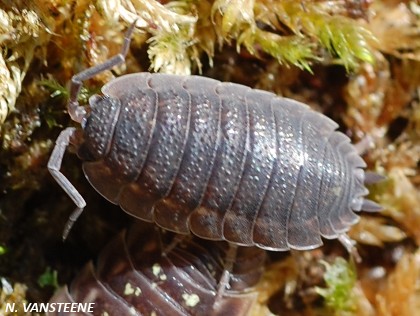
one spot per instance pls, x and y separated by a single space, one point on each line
132 277
220 160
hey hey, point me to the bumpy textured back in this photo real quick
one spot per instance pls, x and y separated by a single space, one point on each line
132 277
224 161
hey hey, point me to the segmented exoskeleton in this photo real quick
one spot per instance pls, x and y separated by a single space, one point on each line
132 277
221 160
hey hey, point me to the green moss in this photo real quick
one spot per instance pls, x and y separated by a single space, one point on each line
295 50
342 37
57 90
292 32
3 250
309 27
48 278
172 52
340 278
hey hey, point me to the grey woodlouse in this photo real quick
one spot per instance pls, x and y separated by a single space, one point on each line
221 160
132 277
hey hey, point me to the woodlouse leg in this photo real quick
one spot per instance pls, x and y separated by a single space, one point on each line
167 247
348 243
76 112
364 145
230 258
177 240
54 166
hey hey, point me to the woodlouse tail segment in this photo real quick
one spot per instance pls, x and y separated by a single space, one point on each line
373 177
54 166
360 203
370 206
76 112
356 161
364 145
362 179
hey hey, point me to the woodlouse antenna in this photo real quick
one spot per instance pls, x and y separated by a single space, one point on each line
70 222
77 112
54 166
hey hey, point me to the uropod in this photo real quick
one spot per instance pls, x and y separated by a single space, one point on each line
220 160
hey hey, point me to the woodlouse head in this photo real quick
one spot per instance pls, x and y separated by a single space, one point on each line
99 124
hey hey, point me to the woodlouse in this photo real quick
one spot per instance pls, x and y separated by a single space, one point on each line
221 160
132 277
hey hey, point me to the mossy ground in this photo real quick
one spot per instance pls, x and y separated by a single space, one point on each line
356 61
